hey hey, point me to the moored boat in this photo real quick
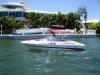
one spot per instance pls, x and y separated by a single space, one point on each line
27 30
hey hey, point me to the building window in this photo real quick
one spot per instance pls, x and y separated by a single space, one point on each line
19 14
4 14
12 6
12 14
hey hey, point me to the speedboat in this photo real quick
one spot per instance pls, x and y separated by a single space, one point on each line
51 43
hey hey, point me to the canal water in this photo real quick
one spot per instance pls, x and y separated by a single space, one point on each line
17 59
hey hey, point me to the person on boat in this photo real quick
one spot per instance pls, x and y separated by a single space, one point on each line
54 35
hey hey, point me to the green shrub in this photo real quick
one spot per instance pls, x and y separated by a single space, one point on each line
98 30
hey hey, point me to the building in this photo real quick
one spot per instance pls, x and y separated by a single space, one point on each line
18 10
12 9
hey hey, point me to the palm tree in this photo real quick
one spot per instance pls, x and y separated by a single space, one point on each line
83 13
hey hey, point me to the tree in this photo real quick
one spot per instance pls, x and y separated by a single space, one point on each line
9 24
83 13
71 21
34 19
98 28
92 26
47 20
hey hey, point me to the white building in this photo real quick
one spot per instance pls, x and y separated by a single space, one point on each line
16 10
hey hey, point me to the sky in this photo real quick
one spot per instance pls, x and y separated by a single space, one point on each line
92 6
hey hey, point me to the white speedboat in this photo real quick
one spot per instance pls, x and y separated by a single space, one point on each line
51 43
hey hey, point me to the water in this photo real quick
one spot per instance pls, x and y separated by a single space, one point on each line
16 59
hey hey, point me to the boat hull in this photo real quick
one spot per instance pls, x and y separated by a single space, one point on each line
56 48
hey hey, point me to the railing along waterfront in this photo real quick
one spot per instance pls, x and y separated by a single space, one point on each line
38 36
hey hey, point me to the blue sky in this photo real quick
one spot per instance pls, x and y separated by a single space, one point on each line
93 6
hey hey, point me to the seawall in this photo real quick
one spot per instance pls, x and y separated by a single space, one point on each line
38 36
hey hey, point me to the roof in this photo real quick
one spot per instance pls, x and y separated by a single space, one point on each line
12 3
4 9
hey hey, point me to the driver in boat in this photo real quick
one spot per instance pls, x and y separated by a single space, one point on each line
55 37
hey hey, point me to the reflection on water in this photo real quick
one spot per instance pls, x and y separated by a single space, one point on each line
16 59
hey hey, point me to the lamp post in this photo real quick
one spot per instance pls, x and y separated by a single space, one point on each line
1 29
